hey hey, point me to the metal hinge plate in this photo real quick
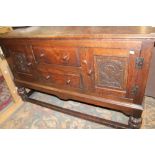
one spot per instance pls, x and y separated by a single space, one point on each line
134 90
139 62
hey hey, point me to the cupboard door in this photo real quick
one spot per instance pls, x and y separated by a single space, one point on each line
110 72
21 61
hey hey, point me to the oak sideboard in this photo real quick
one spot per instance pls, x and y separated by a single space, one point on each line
102 66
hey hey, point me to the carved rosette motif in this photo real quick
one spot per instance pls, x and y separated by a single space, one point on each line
110 72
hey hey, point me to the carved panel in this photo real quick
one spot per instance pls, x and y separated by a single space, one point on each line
21 62
110 72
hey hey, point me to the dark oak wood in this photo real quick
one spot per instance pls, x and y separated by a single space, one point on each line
56 55
83 32
102 66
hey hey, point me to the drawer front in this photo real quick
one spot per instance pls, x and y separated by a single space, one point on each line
60 78
57 55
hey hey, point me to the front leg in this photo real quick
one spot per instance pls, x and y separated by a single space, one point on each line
135 123
22 92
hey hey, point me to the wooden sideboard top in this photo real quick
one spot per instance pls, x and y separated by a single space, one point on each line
82 32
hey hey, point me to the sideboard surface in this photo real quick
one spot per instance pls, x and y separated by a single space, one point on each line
102 66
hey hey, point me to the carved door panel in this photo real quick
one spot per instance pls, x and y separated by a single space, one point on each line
21 61
110 72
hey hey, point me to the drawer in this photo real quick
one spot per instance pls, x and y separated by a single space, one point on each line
59 78
57 55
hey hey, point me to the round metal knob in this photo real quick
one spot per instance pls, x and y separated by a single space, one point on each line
68 81
48 77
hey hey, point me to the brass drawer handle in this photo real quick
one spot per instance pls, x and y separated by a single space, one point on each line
29 64
68 81
84 62
65 58
42 55
90 72
48 77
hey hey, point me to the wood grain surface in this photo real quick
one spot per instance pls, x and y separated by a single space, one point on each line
101 66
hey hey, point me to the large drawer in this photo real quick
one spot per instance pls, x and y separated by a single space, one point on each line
57 55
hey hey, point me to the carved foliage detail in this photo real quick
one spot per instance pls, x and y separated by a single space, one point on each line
110 72
21 63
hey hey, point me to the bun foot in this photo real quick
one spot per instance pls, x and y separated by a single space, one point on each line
22 92
134 123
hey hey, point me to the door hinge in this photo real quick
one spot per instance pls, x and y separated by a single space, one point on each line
139 62
134 90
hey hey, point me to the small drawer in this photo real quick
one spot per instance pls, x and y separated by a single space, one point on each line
59 78
57 55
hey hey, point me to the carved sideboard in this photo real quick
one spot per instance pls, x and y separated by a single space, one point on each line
101 66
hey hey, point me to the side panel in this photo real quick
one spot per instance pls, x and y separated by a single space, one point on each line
146 53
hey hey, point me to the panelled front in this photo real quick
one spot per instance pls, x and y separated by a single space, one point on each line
100 68
110 71
21 61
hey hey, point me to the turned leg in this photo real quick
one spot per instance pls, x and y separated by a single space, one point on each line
134 123
22 92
